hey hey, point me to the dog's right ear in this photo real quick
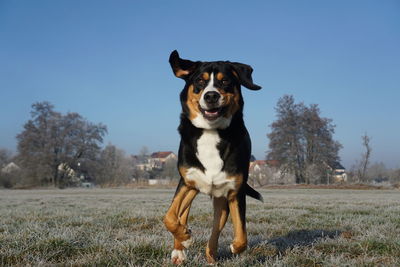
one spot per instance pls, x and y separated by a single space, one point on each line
182 68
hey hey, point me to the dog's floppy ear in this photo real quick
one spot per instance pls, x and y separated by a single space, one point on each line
182 68
243 72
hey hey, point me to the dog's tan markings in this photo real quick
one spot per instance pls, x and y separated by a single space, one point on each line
239 243
220 76
221 213
171 218
176 218
231 100
193 103
235 73
185 205
181 73
238 178
206 76
183 172
178 245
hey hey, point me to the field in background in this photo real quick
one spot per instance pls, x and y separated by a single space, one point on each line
302 227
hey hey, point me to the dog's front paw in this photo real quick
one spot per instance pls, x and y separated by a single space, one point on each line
238 247
178 256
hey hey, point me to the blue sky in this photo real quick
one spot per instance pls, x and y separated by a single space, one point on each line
108 61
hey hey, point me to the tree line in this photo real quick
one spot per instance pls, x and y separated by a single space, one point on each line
53 145
303 143
61 150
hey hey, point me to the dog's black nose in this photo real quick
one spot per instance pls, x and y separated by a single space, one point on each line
211 97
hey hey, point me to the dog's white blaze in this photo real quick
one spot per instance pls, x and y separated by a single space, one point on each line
200 121
210 88
213 181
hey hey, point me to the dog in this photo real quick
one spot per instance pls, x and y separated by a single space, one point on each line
214 151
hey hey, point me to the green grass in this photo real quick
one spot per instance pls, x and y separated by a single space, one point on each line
294 227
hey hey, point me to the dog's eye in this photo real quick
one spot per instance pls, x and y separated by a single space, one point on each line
196 90
225 81
201 82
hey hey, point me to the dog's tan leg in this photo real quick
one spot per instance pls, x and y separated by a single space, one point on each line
183 215
176 221
221 213
237 207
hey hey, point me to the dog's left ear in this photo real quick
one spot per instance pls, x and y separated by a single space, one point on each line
243 72
182 68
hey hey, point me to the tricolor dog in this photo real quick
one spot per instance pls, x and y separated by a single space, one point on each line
214 151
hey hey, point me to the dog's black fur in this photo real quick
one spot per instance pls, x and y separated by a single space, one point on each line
235 146
225 120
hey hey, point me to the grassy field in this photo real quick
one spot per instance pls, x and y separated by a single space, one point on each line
294 227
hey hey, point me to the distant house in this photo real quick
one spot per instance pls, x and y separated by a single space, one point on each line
155 161
144 166
256 170
141 162
159 181
338 173
262 172
158 159
257 165
273 163
10 167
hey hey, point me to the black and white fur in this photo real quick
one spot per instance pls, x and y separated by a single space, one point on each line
215 148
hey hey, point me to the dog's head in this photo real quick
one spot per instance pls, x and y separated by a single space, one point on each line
212 95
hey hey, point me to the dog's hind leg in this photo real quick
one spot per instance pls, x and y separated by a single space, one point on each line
221 213
176 221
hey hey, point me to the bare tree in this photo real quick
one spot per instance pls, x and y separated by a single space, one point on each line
302 140
144 151
8 178
394 176
170 170
285 137
365 159
116 168
143 154
5 157
50 139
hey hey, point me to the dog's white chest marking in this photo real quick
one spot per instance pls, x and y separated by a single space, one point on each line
213 181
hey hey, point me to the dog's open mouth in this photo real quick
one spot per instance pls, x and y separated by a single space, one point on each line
212 114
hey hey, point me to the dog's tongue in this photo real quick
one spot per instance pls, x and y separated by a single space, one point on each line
211 113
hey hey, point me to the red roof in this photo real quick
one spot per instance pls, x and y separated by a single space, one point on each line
161 154
273 163
260 162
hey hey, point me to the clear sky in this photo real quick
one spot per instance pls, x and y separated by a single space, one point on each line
108 61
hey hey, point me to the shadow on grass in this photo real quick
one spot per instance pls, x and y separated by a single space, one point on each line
262 249
300 238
